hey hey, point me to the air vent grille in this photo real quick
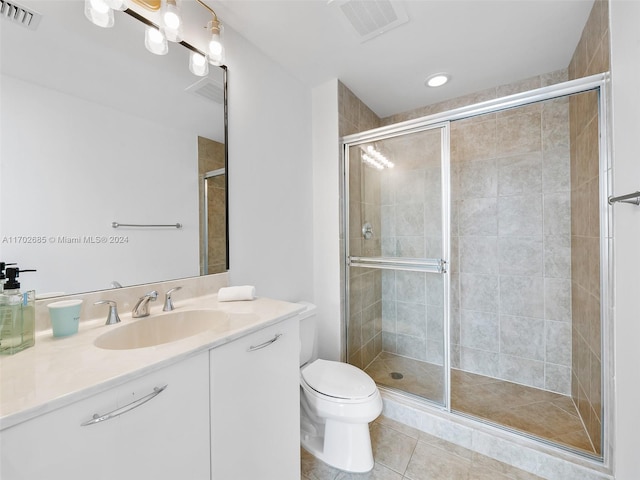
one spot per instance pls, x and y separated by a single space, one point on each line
209 89
17 14
370 18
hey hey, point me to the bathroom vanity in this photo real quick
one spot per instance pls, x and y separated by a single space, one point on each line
220 404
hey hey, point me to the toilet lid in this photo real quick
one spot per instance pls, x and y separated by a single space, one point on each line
339 380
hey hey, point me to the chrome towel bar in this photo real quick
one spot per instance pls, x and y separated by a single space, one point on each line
172 225
633 198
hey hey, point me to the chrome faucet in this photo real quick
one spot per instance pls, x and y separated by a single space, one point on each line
168 303
142 306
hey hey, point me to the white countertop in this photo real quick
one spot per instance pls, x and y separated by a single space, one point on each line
59 371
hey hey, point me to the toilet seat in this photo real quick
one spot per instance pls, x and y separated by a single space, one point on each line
337 381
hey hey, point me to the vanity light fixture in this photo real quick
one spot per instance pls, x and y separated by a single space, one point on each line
437 79
100 12
216 48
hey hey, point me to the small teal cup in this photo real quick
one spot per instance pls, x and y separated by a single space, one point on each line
65 317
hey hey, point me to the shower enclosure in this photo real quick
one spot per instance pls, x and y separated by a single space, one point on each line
474 240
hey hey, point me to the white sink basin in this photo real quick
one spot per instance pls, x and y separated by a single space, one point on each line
162 328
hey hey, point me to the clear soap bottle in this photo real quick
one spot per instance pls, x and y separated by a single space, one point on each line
17 315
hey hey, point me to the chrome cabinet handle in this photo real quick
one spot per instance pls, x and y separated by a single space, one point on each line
265 344
127 408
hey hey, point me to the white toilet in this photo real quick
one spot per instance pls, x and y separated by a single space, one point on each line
337 402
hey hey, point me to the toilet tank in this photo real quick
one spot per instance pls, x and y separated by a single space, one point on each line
308 333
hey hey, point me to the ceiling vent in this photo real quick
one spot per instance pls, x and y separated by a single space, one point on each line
208 88
17 14
370 18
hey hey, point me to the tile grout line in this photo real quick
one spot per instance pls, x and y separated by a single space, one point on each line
404 477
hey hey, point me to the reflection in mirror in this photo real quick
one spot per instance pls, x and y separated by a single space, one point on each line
94 129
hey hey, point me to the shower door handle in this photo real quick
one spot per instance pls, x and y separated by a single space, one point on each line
428 265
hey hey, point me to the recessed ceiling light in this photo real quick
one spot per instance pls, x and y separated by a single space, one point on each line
437 79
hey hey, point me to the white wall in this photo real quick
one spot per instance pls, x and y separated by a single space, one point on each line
326 207
69 168
625 71
270 188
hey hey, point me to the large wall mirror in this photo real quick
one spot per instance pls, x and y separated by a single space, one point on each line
94 129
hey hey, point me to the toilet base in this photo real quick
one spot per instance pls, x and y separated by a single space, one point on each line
346 446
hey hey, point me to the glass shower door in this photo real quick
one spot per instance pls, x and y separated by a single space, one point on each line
398 245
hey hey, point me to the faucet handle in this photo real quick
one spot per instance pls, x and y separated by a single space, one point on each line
153 295
112 317
168 302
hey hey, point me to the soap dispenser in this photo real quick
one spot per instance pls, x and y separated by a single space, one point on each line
17 315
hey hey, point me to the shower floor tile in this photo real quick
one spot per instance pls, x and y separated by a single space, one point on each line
411 376
547 415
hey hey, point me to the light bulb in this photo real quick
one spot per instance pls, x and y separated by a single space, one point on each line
100 6
437 80
116 4
198 64
172 22
98 13
155 41
215 46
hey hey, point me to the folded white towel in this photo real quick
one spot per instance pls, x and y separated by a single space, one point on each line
233 294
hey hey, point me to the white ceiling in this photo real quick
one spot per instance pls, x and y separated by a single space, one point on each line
481 43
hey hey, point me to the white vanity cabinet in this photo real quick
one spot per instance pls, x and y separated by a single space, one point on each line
255 406
166 437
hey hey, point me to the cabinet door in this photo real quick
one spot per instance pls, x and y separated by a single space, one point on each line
255 406
166 437
55 446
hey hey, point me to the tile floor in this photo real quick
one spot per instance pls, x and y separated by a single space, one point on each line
404 453
550 416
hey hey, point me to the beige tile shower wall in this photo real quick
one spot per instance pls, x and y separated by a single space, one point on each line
364 327
590 57
510 272
511 215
